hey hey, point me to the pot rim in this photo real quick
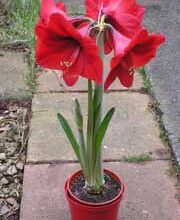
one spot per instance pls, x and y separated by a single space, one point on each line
75 199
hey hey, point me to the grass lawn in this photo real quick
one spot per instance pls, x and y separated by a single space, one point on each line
22 16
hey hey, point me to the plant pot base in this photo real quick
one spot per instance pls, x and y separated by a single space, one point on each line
81 210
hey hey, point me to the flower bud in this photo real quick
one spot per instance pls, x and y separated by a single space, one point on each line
78 115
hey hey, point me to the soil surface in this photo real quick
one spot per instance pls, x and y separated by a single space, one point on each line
110 190
14 133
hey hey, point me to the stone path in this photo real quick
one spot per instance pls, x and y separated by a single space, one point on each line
12 76
150 192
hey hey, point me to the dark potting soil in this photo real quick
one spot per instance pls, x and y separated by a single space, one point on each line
110 190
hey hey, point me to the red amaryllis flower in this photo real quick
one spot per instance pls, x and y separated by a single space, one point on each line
60 46
138 53
124 15
49 7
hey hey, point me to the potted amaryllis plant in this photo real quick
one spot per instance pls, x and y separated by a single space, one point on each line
77 46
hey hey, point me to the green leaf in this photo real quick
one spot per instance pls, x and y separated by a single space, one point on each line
102 130
78 115
69 134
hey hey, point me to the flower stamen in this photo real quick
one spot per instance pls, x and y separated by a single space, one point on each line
66 64
100 12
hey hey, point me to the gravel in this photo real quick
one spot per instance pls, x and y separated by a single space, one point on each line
12 170
4 181
20 165
14 130
2 156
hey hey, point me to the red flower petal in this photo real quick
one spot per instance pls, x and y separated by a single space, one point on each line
108 41
121 67
111 6
110 79
115 40
121 71
49 7
130 7
70 80
126 24
146 47
139 52
61 6
124 73
92 67
60 26
52 55
92 8
120 42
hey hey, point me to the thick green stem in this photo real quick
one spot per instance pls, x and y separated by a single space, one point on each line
98 107
90 131
95 113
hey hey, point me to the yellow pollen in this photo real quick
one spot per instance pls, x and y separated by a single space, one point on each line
131 71
66 63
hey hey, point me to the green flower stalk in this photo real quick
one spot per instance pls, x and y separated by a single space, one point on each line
89 152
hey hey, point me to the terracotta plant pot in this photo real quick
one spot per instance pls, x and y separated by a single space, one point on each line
81 210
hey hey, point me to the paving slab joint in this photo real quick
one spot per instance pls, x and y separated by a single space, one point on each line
54 162
141 91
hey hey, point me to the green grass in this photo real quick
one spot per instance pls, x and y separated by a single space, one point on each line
142 71
76 9
138 159
164 135
22 16
147 84
155 107
174 171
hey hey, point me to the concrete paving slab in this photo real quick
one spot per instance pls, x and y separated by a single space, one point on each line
132 131
12 76
51 81
150 193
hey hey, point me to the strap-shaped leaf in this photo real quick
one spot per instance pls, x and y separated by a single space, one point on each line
102 130
69 134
